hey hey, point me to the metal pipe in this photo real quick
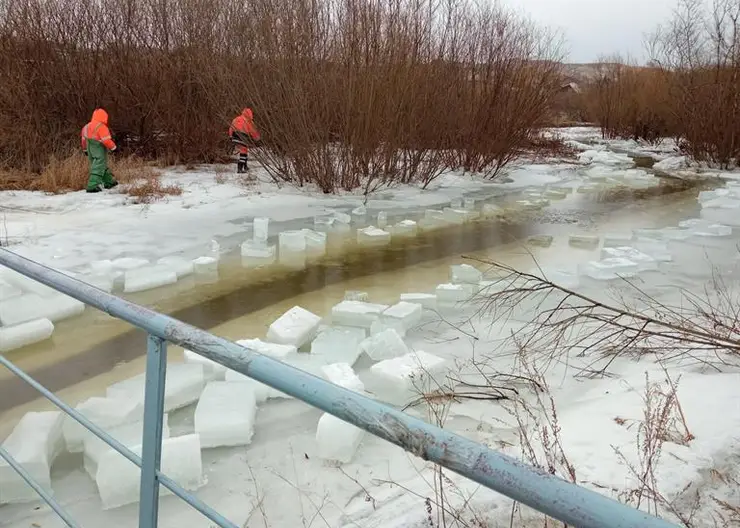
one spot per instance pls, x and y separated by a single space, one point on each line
562 500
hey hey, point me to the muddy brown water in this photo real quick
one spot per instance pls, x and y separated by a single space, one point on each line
86 347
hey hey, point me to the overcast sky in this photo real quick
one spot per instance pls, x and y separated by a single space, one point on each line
599 27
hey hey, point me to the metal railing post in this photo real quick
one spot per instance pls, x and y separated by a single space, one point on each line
151 454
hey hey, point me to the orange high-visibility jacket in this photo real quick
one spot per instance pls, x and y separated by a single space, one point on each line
244 123
97 129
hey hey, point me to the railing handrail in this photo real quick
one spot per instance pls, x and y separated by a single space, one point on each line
562 500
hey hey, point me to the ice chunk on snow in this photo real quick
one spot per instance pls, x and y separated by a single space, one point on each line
356 313
128 434
118 479
337 440
211 370
103 412
584 241
540 240
273 350
428 301
148 278
205 265
354 295
34 443
610 268
183 385
338 345
295 327
384 345
7 291
128 263
406 314
373 236
26 284
225 414
182 267
398 379
465 274
644 262
32 306
342 374
20 335
261 228
672 163
452 293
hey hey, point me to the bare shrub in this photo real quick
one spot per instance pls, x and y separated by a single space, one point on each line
699 50
630 101
348 93
151 189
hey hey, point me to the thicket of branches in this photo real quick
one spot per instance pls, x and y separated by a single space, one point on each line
691 91
346 92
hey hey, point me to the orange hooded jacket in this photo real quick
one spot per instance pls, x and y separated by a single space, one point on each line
97 129
244 124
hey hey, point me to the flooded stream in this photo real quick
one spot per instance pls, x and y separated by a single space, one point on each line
91 351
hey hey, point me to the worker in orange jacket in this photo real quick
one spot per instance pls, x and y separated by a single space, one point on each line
243 133
96 143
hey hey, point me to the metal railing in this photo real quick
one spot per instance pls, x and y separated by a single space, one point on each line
562 500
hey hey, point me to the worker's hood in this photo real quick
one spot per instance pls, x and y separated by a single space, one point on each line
247 113
100 116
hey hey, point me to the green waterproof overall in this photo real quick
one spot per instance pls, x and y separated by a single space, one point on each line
100 174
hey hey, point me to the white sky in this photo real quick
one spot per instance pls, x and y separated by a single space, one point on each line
593 28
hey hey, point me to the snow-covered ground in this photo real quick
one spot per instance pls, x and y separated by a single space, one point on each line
655 425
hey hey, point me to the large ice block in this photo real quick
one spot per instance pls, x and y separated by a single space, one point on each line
181 266
427 300
315 243
655 248
32 306
129 434
225 414
609 268
403 313
399 379
373 236
103 412
34 443
212 371
465 274
387 344
452 293
404 228
128 263
118 479
338 345
20 335
295 327
274 350
26 284
583 241
292 248
342 374
205 266
356 313
148 278
382 219
183 386
260 391
644 262
261 230
255 254
337 440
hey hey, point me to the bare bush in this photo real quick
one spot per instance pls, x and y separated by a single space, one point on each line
347 93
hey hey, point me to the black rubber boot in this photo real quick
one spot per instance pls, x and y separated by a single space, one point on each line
95 190
111 185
